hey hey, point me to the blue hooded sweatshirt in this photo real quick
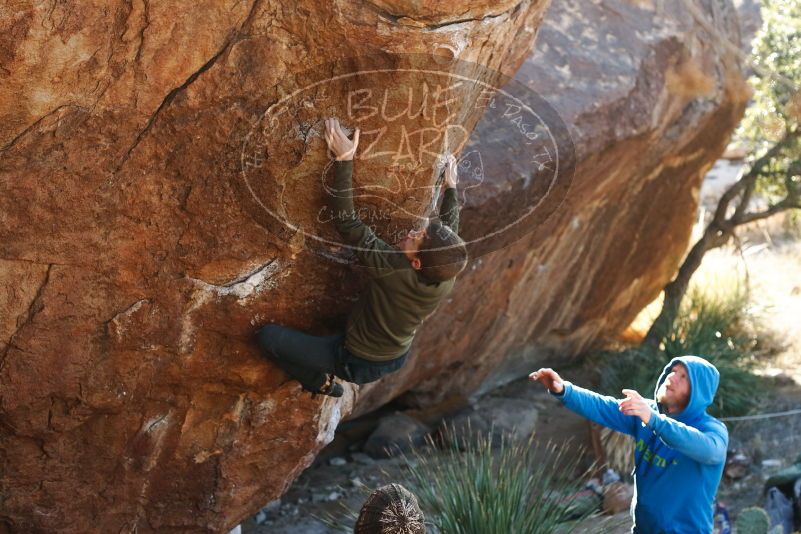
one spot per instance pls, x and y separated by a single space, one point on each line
678 458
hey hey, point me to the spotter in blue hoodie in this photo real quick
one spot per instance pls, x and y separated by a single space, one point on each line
678 458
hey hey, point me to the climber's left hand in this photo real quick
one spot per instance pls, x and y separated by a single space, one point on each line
338 142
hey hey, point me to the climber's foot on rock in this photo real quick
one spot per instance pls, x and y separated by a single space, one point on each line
331 387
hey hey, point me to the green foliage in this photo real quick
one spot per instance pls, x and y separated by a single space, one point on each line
776 102
473 488
753 520
719 325
777 51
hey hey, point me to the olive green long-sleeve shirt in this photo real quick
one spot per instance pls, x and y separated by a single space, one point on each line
398 298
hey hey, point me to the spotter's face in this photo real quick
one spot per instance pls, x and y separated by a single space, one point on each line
675 390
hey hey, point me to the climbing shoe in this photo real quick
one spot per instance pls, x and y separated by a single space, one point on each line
331 388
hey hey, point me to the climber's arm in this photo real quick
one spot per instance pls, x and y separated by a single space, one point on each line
449 211
369 248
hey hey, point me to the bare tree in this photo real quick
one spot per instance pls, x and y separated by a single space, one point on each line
732 212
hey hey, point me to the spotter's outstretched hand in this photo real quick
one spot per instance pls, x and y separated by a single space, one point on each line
549 378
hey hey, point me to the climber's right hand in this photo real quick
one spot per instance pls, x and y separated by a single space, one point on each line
451 172
338 142
549 378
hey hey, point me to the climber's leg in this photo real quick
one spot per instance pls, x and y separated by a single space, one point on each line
306 358
309 358
360 371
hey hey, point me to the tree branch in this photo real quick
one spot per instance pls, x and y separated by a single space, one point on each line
784 205
742 207
746 183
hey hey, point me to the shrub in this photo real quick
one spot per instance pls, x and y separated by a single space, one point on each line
471 488
721 327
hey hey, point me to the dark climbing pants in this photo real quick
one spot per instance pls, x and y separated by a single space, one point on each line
309 358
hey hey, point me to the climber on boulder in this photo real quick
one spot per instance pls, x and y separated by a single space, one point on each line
406 285
679 449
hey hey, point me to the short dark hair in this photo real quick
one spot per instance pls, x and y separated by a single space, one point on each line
442 253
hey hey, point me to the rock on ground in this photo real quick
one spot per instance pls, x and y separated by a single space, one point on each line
396 433
493 419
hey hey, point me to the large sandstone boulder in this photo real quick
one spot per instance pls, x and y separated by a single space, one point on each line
158 203
159 200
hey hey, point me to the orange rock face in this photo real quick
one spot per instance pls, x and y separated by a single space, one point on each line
160 200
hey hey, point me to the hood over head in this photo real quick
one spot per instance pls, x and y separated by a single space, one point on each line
704 380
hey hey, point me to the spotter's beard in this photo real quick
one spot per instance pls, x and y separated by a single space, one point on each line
661 393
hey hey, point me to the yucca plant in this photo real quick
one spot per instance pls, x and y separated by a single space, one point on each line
472 487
